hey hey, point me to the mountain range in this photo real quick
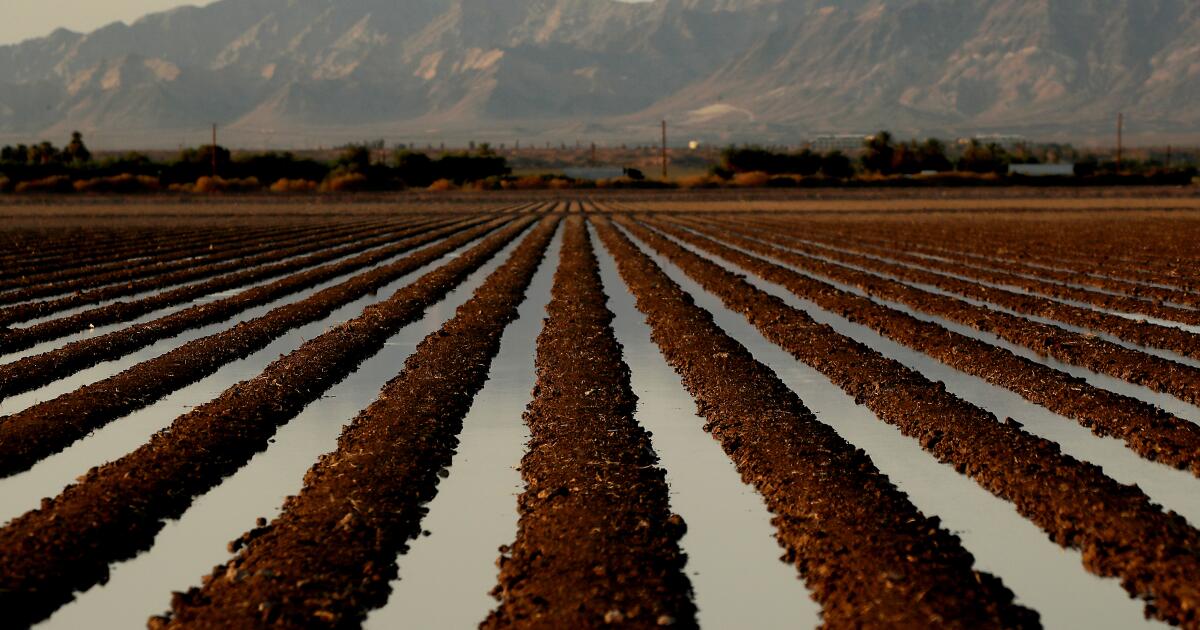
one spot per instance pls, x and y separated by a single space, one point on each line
302 73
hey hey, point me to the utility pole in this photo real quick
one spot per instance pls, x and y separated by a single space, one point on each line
214 150
664 150
1120 138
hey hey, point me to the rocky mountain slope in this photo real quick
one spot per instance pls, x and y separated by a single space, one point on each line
302 72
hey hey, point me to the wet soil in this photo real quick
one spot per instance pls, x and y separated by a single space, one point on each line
869 556
329 556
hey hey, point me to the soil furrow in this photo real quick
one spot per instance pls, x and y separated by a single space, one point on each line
117 509
260 268
1052 279
869 556
596 541
1145 428
156 245
1119 531
966 268
365 500
36 371
144 265
1087 351
1142 333
238 261
46 428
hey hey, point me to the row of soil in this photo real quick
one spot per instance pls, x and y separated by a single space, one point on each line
1120 532
52 279
1098 355
365 500
91 249
46 428
1136 332
972 269
220 263
257 269
35 371
1145 429
126 274
116 510
1095 254
868 555
1089 275
596 540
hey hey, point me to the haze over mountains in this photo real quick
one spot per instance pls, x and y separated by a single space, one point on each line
305 72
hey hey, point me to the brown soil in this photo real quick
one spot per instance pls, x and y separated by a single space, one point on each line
264 267
1119 531
596 543
1146 429
35 371
238 260
870 558
115 510
1154 372
43 429
364 501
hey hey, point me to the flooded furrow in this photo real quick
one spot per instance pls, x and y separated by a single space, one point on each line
190 546
1045 576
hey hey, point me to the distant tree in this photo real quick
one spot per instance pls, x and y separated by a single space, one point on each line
44 153
76 152
414 169
980 158
880 153
933 156
837 165
635 174
355 158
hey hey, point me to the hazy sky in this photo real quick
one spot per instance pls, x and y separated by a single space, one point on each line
22 19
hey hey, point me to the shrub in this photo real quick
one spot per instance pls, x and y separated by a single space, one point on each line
218 185
5 184
346 182
294 186
443 184
55 184
754 179
123 183
701 181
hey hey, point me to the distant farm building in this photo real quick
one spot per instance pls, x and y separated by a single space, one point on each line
839 142
1042 170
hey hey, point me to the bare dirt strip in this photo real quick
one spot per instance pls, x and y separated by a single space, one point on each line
48 427
1145 429
596 540
1138 332
35 371
241 260
258 269
1104 252
1054 278
1123 303
138 265
116 510
868 555
1088 351
1120 532
365 500
140 244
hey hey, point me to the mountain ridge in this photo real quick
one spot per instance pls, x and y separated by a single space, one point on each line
303 72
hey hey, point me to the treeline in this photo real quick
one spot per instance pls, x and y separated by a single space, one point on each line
883 157
72 168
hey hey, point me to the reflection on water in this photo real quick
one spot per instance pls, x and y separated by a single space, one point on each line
445 578
1043 575
190 547
733 558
